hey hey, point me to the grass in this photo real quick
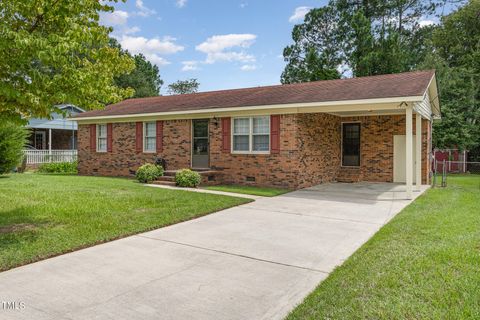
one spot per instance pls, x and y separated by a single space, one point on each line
256 191
46 215
424 264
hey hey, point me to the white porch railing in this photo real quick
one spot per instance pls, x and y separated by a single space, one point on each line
46 156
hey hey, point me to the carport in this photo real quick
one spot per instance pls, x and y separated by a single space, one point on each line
411 150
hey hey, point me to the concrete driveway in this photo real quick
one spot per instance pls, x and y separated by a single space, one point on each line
255 261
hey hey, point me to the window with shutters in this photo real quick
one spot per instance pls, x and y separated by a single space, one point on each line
149 136
101 138
251 135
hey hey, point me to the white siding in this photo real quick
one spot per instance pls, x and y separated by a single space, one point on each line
424 107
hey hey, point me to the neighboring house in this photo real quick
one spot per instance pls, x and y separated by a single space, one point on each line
54 139
295 136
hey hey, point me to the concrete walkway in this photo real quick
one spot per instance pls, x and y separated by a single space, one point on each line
223 193
255 261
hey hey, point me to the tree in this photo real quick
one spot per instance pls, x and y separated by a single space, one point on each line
12 140
144 79
366 37
385 32
315 52
455 55
183 86
54 52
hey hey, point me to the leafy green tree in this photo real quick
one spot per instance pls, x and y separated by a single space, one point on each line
455 55
366 37
53 52
183 86
144 79
383 36
315 52
12 140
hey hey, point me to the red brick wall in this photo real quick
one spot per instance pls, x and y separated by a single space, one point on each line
310 151
376 148
123 159
318 140
268 169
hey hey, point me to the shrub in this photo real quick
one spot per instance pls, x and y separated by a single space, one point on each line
149 172
59 167
12 141
187 178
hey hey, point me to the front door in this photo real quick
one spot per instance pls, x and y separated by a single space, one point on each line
200 144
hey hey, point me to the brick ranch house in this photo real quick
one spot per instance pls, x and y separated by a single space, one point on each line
295 136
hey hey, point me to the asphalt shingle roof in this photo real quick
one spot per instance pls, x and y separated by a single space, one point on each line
382 86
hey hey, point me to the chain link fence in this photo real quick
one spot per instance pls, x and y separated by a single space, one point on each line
442 169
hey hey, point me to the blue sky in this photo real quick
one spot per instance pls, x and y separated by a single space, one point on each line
224 44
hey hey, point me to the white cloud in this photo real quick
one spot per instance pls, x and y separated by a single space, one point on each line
152 49
299 14
143 10
156 59
181 3
154 45
426 22
131 30
243 5
248 67
219 43
190 65
222 48
229 56
115 18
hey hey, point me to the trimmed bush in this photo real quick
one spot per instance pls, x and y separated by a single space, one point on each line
149 172
12 141
59 167
187 178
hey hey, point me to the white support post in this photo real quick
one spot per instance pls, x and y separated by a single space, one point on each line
50 144
418 151
408 153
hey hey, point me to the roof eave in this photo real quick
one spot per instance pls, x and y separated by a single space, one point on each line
256 108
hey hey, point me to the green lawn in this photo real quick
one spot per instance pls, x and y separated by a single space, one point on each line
256 191
424 264
45 215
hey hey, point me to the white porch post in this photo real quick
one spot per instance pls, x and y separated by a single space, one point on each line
418 151
408 153
50 144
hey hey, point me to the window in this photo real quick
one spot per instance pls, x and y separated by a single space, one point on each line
251 135
149 137
101 138
351 144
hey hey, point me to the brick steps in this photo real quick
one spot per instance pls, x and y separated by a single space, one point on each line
166 178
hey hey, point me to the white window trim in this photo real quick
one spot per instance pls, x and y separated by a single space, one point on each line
250 136
144 137
97 131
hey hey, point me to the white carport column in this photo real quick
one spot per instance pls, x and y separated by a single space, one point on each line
418 151
408 152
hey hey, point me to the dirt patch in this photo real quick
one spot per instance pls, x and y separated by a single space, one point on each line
19 227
